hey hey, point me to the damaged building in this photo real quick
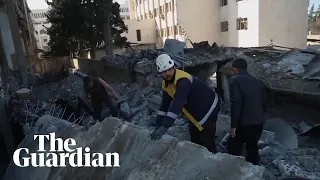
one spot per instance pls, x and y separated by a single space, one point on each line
288 145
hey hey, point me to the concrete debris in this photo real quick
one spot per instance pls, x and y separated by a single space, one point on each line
312 132
140 157
284 133
267 137
304 127
23 93
174 47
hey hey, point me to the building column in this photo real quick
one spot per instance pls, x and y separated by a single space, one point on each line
16 37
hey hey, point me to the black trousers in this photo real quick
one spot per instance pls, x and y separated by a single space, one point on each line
97 105
249 135
206 137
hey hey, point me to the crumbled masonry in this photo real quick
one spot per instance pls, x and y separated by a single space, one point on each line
140 157
290 70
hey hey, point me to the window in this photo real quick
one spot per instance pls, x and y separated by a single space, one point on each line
45 40
238 0
242 23
155 12
224 26
223 2
168 31
145 16
168 7
138 35
175 30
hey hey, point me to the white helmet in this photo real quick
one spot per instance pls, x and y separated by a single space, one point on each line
164 62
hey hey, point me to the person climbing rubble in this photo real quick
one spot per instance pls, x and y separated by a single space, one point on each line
186 93
98 89
248 105
73 105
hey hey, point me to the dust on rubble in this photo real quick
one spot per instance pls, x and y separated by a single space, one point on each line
27 105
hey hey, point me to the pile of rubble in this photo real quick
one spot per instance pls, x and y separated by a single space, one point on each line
279 158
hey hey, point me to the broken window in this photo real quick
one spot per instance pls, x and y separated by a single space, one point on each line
45 40
242 23
138 35
224 26
223 2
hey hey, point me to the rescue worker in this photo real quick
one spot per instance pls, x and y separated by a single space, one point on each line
248 105
185 93
98 89
74 105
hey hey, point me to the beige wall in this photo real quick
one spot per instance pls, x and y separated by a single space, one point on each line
285 22
199 20
147 28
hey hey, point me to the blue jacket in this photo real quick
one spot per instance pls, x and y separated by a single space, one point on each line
190 93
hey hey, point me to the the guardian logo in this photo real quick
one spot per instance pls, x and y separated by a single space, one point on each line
64 153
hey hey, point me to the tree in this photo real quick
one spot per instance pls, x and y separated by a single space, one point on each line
311 14
80 24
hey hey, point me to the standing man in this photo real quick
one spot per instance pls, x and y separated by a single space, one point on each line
248 105
98 90
185 93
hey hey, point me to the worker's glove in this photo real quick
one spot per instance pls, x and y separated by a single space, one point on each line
158 133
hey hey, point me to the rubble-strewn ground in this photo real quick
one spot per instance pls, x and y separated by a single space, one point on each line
144 101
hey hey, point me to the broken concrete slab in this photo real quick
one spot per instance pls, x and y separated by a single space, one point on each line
313 132
174 47
304 127
140 157
284 133
136 98
267 136
290 170
23 93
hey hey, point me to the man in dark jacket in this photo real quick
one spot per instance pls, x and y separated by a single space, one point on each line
184 93
98 89
248 105
74 105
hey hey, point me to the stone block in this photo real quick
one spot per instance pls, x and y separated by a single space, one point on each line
140 157
289 170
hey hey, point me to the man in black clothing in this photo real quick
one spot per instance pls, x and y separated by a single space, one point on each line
74 105
98 89
248 105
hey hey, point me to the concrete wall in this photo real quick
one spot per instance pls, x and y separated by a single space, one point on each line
98 68
6 37
284 22
40 20
147 28
49 64
245 37
199 28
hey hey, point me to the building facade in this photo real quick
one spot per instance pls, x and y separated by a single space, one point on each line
237 23
40 28
124 11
